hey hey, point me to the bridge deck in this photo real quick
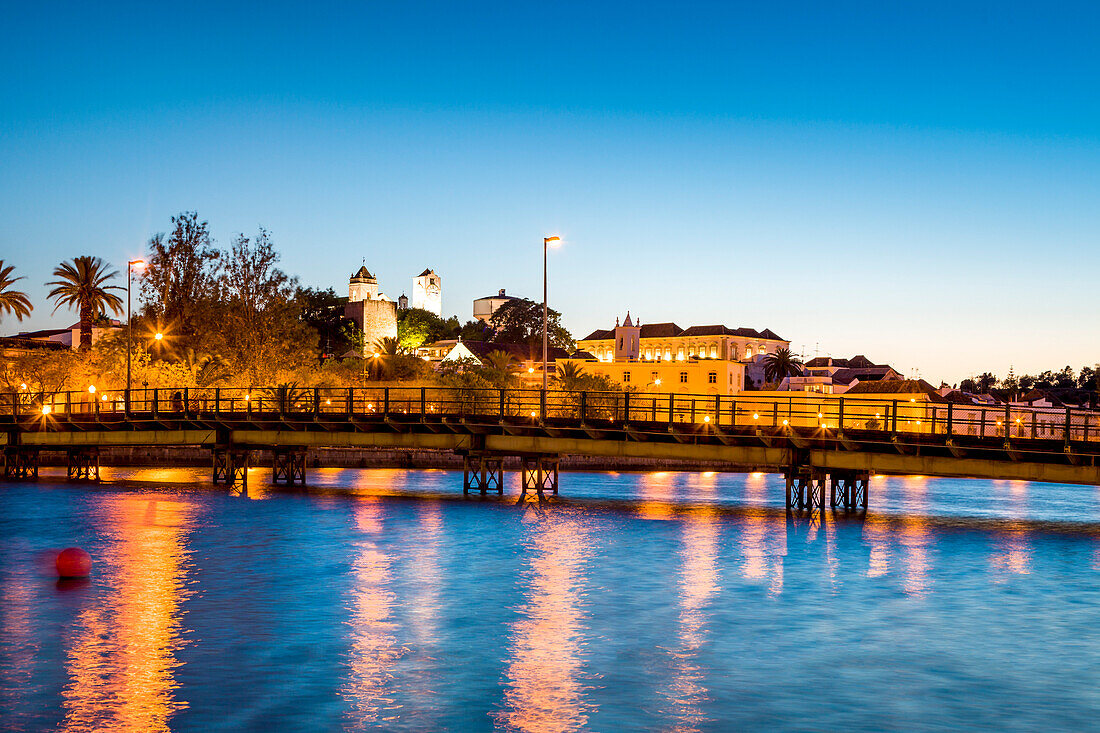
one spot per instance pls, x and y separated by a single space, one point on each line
876 436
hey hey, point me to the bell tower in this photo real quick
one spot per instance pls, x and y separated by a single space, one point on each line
428 292
627 336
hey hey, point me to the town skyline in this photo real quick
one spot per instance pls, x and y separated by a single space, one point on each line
911 206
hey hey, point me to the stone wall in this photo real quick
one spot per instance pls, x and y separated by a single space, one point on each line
376 318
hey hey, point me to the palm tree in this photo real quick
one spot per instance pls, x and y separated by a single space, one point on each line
12 301
570 376
499 366
781 364
81 285
387 346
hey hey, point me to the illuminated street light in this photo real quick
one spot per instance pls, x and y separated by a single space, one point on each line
545 308
159 336
132 265
45 409
91 389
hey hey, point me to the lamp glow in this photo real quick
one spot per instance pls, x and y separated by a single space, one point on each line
91 389
45 409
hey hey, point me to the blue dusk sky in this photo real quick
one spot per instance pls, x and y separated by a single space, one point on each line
918 182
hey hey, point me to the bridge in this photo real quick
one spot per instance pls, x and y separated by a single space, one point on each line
826 447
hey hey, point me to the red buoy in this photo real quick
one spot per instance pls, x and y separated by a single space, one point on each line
73 562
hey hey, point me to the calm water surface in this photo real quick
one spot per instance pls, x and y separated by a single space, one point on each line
667 601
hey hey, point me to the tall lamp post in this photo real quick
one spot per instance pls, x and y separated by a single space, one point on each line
130 267
545 309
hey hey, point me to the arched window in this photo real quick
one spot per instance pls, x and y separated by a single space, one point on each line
748 351
668 353
714 351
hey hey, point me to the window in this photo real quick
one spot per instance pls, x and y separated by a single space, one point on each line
626 377
653 376
649 353
748 352
683 377
714 351
691 351
620 343
712 378
733 351
668 353
680 353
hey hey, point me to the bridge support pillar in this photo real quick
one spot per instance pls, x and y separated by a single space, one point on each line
21 463
848 490
805 489
483 473
288 466
83 464
540 474
231 466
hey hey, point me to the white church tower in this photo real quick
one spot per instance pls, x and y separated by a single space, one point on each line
428 292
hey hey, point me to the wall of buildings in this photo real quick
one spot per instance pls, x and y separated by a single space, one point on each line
717 377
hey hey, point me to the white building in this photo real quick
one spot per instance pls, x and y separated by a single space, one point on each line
428 292
484 308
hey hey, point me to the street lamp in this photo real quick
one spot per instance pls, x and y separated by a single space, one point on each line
139 265
545 310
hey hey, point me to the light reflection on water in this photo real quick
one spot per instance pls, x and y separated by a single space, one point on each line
121 652
543 681
443 614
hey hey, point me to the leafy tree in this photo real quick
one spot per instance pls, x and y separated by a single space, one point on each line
181 274
82 284
519 321
781 364
985 382
1026 382
12 301
476 330
968 385
1087 378
416 327
323 311
259 319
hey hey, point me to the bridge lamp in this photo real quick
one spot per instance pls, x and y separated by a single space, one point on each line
819 416
918 422
784 422
530 370
91 389
159 336
45 409
248 397
657 381
756 416
706 418
328 402
23 385
104 398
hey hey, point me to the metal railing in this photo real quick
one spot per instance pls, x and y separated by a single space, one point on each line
742 411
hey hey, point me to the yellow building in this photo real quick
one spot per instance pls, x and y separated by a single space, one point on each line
692 376
669 342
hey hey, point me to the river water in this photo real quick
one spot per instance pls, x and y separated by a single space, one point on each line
643 601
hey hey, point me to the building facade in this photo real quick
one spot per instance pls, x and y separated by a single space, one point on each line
428 292
669 342
372 311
